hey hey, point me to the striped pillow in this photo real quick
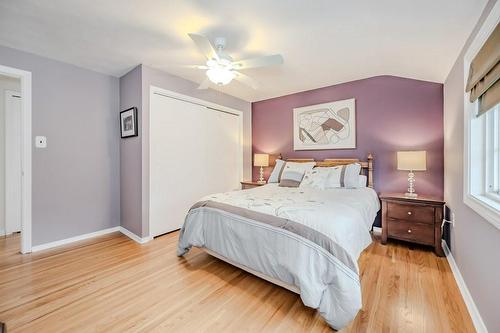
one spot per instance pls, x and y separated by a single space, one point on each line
293 172
346 176
275 175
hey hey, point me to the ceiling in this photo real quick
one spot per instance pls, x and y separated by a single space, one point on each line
324 42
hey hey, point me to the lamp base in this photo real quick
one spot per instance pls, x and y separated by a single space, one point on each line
261 176
411 188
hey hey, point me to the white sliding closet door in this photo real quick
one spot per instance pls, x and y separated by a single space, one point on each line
194 151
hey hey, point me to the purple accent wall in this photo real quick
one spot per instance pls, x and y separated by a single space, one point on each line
393 113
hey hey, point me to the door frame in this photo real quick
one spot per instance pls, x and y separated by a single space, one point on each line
10 171
216 107
26 153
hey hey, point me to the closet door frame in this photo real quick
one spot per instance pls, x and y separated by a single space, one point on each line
215 108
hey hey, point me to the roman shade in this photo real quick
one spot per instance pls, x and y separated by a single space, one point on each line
484 73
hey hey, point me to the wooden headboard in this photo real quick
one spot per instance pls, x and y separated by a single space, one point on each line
366 166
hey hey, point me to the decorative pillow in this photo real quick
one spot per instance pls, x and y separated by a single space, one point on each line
293 172
344 176
362 181
315 178
275 175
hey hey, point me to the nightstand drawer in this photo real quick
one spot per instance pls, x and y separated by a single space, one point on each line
423 214
411 231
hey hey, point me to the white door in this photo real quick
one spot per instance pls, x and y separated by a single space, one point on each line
194 151
12 162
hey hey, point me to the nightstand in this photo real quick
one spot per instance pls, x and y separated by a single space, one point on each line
416 220
250 184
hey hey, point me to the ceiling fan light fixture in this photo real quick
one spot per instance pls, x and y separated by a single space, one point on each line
220 76
221 69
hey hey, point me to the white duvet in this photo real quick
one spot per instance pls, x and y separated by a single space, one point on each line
326 281
344 215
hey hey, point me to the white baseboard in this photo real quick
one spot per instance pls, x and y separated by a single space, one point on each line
377 230
134 237
50 245
124 231
469 301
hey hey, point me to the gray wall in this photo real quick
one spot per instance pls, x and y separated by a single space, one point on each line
475 242
131 155
6 83
87 179
76 183
134 175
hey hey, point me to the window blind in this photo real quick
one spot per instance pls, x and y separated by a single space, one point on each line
484 73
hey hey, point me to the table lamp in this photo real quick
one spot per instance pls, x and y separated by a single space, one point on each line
411 161
261 160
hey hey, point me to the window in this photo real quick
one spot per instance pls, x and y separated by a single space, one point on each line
482 121
482 163
492 154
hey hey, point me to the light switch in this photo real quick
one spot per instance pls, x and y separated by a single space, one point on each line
40 142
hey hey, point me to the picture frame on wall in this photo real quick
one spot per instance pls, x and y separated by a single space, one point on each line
325 126
128 123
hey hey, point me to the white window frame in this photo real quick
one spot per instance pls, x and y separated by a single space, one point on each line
492 147
475 193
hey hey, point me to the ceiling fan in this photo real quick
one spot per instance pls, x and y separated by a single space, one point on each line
220 67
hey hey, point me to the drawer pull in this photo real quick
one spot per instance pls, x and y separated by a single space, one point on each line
409 231
409 213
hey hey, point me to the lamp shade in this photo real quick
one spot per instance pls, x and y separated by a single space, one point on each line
412 160
261 160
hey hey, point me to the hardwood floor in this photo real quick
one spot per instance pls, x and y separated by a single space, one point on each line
112 284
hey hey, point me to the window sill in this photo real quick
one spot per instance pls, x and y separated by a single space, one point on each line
484 206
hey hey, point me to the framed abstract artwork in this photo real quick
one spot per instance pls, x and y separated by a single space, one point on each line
128 123
325 126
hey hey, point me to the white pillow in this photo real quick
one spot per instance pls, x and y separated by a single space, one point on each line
315 178
344 176
293 172
275 175
362 181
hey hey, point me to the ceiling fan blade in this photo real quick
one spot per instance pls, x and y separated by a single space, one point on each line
276 59
204 46
247 80
193 66
204 85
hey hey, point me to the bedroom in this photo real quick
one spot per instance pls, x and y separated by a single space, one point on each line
376 142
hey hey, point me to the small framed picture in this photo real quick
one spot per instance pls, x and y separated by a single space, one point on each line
128 122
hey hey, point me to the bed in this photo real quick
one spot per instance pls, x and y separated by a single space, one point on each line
307 240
